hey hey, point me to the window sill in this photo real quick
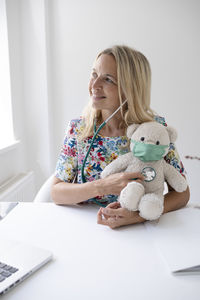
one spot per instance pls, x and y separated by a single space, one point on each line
9 147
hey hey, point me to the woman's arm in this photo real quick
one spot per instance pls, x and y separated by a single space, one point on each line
174 200
115 216
73 193
64 193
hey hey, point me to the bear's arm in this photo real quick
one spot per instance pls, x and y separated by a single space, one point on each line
117 165
174 178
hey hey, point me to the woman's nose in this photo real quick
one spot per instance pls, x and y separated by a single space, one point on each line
97 84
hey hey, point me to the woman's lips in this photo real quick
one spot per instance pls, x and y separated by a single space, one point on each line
94 97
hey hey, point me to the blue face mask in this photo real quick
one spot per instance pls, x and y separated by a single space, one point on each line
148 152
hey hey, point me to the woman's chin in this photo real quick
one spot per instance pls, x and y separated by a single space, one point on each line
98 104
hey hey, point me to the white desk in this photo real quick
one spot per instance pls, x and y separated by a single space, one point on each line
91 261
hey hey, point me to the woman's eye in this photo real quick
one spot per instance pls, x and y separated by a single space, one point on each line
142 139
108 80
157 143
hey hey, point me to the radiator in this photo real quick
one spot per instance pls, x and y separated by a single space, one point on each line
18 189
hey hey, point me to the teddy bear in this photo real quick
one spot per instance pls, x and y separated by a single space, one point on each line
149 144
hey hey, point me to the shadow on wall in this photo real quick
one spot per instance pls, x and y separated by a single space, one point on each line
192 167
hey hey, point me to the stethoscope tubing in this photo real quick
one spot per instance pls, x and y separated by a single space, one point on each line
92 142
88 152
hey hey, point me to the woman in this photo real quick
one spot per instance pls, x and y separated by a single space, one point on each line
120 74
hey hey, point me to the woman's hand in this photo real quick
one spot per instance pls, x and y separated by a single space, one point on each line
115 216
115 183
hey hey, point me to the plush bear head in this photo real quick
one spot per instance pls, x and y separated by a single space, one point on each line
150 140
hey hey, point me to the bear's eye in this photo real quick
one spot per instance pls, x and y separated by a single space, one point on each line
142 139
157 143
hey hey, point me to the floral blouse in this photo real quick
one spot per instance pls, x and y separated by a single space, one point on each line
103 152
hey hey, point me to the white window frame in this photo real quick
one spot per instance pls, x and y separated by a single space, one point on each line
7 139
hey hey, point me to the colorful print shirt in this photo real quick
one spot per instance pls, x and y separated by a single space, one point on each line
103 152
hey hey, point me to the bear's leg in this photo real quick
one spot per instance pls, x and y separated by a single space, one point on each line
131 195
151 206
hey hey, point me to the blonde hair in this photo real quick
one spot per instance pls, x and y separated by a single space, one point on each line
134 84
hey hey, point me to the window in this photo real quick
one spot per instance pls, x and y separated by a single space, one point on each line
6 121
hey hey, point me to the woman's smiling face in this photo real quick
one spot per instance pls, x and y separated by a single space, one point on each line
103 87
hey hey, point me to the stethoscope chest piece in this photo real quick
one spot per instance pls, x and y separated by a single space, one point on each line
149 174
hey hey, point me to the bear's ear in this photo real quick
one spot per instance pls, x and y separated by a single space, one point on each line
172 133
131 129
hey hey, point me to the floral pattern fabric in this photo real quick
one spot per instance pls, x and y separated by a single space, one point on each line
103 152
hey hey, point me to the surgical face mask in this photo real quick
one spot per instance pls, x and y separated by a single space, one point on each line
148 152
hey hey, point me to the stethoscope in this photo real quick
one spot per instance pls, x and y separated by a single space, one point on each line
148 172
96 131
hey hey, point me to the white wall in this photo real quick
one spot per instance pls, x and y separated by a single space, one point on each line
57 41
167 32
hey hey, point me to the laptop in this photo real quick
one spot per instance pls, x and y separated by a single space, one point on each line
18 261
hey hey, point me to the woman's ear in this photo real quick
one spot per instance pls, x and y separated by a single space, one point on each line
172 133
131 129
